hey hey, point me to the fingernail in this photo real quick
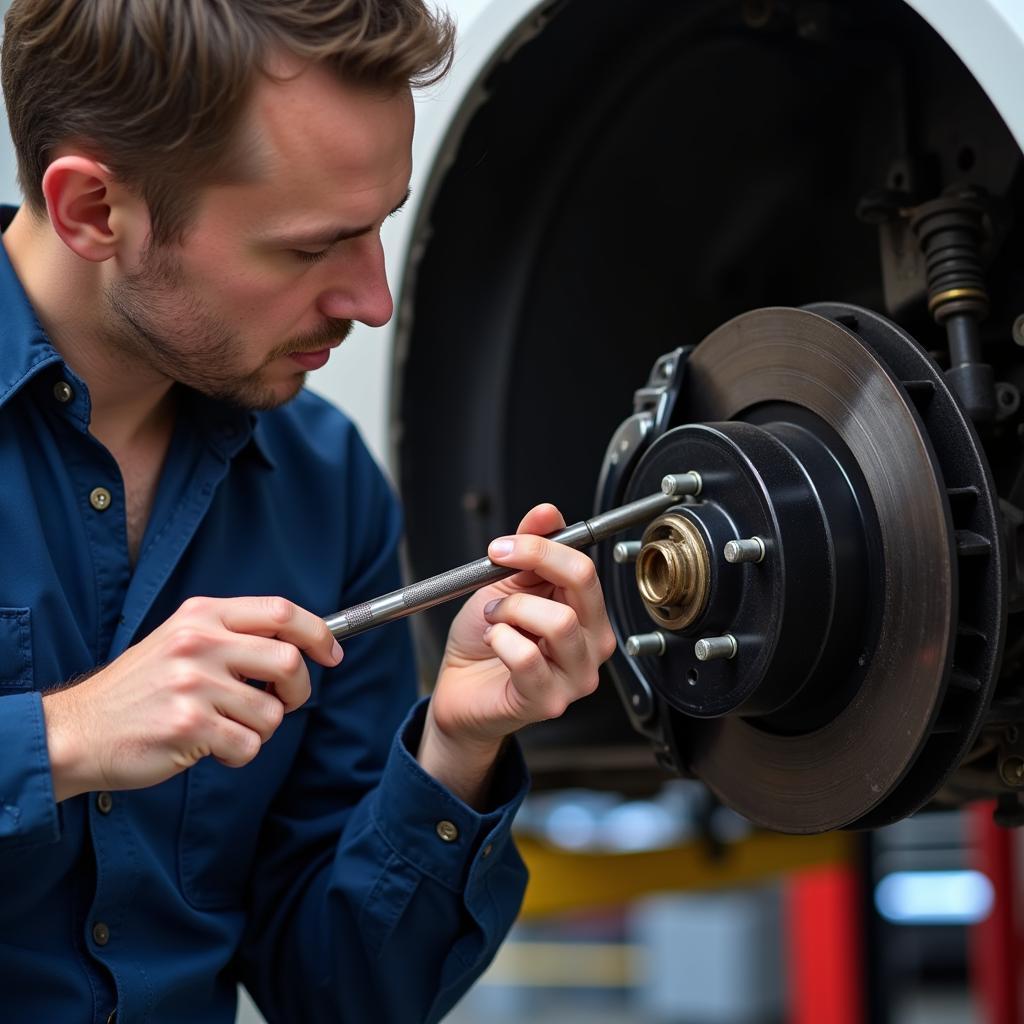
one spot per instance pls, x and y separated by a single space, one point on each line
337 652
491 605
488 631
501 547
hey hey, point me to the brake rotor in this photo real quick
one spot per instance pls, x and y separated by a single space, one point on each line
833 709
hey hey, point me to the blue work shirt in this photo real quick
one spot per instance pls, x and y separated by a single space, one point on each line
320 875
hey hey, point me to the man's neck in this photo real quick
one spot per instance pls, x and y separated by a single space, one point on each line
67 293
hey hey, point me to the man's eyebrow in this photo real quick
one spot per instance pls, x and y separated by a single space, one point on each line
329 236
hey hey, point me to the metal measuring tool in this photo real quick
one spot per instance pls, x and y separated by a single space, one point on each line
454 583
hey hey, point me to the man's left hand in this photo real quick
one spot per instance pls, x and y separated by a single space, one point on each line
519 651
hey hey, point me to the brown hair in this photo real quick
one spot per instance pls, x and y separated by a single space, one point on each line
157 88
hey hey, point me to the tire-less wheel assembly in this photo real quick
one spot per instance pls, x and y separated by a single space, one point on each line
816 632
829 630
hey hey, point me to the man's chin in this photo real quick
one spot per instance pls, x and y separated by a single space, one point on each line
260 395
278 394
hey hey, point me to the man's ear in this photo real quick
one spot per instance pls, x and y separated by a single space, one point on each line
88 209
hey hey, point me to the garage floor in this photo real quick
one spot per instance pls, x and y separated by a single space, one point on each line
941 1008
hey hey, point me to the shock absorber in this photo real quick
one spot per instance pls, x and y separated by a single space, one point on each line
950 231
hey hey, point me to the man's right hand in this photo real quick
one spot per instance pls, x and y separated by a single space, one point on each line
182 694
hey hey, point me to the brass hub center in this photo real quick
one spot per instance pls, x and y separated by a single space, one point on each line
673 571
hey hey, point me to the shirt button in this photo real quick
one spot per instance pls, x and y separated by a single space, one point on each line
100 933
63 391
447 831
112 1019
99 498
486 851
104 802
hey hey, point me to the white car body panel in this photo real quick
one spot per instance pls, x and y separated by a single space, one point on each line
987 35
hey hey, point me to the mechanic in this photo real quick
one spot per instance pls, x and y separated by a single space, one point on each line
185 801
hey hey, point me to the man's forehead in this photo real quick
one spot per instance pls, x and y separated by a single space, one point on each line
320 156
323 140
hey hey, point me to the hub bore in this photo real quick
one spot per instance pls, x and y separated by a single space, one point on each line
673 572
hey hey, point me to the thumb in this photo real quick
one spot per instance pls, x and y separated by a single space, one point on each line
539 521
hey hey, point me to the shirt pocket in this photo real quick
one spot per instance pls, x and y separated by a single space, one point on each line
15 650
223 816
219 829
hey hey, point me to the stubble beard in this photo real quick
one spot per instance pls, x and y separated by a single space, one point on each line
157 320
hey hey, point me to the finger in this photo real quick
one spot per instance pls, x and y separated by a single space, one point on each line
541 519
530 673
233 744
561 565
250 706
280 618
556 623
274 662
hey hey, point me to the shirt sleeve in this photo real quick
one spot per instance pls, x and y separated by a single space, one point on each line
378 895
28 810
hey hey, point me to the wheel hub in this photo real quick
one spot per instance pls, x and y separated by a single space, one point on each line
806 678
802 601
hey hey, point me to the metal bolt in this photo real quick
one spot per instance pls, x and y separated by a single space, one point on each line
1012 770
750 550
681 484
713 647
645 643
1007 397
1018 330
626 551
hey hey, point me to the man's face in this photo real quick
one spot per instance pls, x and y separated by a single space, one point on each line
274 271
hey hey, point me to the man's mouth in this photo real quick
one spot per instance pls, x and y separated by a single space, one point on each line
313 360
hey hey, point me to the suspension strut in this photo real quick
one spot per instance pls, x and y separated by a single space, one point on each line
950 231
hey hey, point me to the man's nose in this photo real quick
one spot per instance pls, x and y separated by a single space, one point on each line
359 291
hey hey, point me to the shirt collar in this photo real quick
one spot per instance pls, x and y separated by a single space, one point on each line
227 428
24 347
25 350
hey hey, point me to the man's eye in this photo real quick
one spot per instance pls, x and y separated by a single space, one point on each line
310 257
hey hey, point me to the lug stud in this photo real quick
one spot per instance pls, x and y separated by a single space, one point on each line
750 550
715 647
681 484
645 643
1011 770
626 551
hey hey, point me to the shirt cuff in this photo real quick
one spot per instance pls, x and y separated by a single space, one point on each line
428 825
28 810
